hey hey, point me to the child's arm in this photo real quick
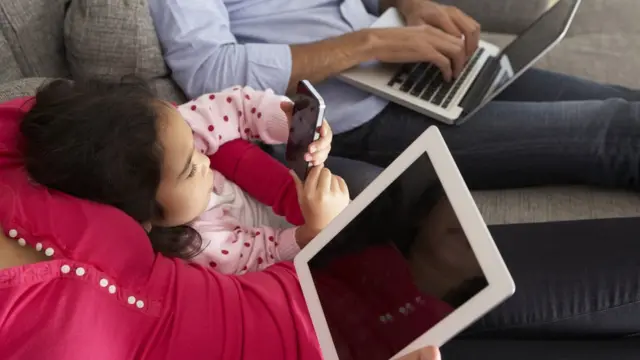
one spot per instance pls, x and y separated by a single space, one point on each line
242 163
236 250
236 113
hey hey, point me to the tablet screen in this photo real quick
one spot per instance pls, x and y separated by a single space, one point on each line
397 269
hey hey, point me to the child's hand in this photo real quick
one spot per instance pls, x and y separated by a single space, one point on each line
318 150
322 197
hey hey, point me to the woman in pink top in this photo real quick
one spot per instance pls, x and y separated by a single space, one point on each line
73 291
51 313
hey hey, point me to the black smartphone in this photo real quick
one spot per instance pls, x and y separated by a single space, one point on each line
307 117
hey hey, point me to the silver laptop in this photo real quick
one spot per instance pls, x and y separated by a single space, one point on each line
421 87
409 263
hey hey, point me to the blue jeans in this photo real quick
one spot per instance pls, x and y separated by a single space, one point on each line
546 128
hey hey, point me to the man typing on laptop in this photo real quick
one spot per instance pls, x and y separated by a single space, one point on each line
211 44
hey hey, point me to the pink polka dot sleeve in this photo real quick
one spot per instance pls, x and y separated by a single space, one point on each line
238 112
232 249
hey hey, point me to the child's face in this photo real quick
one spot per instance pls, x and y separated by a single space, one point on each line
187 180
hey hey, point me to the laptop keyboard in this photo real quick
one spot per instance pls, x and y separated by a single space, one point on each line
425 81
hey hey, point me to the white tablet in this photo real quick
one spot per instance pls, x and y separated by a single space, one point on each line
409 263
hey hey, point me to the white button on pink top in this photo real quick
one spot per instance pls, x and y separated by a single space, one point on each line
80 271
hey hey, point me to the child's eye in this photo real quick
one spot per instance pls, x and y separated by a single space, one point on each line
192 171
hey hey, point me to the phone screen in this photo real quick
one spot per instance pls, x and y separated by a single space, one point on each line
306 118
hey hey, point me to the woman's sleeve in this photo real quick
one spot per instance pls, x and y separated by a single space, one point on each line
259 315
261 176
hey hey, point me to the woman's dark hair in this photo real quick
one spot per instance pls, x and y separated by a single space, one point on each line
99 141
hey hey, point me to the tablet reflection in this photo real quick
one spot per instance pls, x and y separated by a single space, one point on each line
397 269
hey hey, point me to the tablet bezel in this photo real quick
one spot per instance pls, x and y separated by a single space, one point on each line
500 284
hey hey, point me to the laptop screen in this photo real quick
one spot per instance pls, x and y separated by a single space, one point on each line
397 269
534 40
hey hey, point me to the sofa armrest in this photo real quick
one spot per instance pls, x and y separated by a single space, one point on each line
18 88
502 16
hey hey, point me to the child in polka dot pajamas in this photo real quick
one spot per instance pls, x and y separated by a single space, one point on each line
239 234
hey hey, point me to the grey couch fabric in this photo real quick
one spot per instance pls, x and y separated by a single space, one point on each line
31 39
111 38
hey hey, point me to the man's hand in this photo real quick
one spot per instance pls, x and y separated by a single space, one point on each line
449 19
423 43
439 34
322 197
318 151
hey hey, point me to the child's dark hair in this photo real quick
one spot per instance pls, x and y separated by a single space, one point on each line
99 141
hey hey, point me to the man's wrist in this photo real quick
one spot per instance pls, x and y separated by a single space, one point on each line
323 59
373 44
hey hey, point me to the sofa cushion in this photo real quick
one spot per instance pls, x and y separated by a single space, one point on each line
608 17
109 39
32 32
20 88
10 69
112 38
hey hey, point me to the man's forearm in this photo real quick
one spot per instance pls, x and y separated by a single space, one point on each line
323 59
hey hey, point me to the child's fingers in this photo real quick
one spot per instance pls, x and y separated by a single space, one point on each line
317 157
325 129
326 136
298 182
311 182
343 185
287 107
321 144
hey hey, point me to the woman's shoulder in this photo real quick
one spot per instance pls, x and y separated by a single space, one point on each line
73 310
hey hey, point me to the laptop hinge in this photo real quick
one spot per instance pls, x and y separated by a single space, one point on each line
480 86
